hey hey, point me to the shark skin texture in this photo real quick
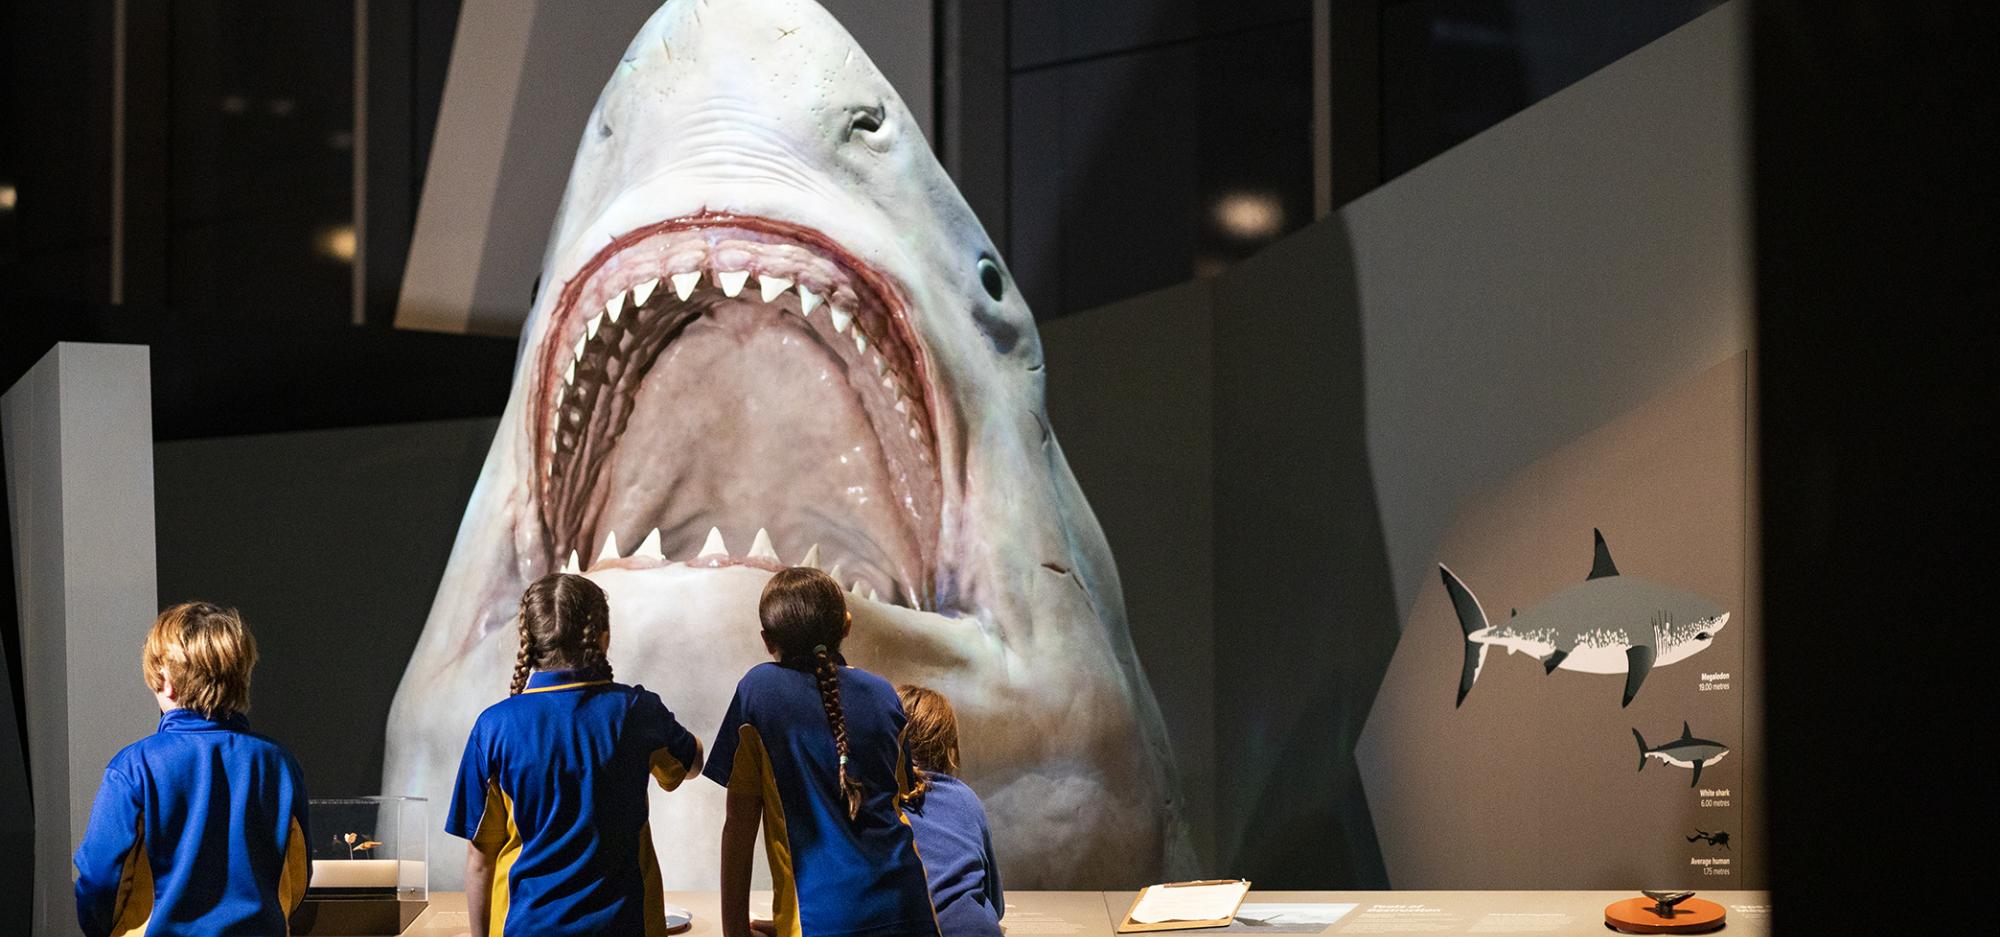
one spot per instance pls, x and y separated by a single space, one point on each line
1607 624
768 317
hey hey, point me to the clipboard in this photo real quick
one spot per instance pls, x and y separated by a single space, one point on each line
1129 926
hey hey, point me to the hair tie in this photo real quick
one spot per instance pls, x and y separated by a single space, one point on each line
843 760
819 649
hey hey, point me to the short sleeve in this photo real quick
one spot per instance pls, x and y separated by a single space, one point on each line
472 794
671 750
722 755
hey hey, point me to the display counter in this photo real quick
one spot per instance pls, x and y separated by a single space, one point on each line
1095 914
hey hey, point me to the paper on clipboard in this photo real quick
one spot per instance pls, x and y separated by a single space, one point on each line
1161 904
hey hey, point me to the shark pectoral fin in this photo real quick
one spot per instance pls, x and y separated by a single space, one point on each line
1638 663
1554 660
1697 773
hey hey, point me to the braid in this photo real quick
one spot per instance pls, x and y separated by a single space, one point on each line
836 719
594 659
523 661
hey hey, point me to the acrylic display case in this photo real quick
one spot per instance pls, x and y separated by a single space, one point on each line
370 866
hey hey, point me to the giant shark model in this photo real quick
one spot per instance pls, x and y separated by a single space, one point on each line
769 323
1607 624
1684 752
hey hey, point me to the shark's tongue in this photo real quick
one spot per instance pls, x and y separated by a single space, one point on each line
747 421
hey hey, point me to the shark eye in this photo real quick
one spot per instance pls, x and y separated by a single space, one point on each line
989 277
1702 636
864 120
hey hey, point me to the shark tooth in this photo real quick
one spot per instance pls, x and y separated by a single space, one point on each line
840 318
731 281
807 300
615 306
761 549
579 345
650 547
856 588
684 283
713 546
571 566
834 571
610 551
871 595
860 341
640 294
812 557
770 287
590 328
569 375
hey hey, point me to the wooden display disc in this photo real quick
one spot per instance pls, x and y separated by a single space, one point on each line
1636 916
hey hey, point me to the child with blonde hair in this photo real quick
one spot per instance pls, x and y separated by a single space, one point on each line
199 828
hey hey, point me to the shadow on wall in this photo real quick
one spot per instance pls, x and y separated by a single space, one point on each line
1306 612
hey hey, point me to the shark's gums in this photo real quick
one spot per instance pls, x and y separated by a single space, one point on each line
771 332
1607 624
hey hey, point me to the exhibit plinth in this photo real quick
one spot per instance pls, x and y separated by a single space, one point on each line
1646 916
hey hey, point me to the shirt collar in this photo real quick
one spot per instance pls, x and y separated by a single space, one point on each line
564 679
187 720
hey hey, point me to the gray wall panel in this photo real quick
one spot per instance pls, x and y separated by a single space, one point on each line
330 543
79 450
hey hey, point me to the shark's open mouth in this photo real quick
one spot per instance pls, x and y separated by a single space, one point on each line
727 378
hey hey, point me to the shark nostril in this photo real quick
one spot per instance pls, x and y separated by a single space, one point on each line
1000 333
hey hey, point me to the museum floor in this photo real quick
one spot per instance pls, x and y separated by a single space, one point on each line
1095 914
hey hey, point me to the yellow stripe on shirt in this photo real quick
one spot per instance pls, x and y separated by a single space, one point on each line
655 904
753 766
497 828
668 771
298 868
133 910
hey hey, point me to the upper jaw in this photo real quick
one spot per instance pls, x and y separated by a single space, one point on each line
632 298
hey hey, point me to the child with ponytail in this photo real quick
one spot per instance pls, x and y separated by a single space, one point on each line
811 749
552 790
949 821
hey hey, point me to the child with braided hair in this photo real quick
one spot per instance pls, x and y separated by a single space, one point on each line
949 821
811 750
552 791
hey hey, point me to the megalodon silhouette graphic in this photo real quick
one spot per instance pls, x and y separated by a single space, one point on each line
1607 624
769 320
1684 752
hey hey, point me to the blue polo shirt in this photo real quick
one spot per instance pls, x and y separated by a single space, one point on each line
201 827
830 876
554 780
958 853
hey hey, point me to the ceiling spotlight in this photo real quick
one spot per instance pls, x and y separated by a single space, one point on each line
8 196
337 242
1249 215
